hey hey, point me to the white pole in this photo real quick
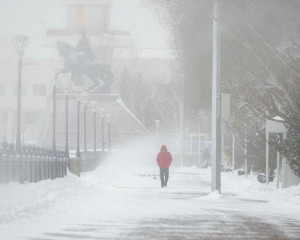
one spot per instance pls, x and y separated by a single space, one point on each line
284 167
267 153
246 160
182 123
199 146
233 146
278 165
222 149
216 107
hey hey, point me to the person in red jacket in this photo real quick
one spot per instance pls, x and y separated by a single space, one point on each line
164 160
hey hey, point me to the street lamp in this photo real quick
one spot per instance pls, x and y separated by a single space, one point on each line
20 42
108 131
84 102
198 118
216 104
245 152
102 127
53 120
157 127
67 124
94 109
78 128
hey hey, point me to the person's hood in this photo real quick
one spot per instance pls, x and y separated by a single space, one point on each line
163 147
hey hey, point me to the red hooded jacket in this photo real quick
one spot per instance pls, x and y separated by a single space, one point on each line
164 158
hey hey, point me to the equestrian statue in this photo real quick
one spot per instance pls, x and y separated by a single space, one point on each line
80 61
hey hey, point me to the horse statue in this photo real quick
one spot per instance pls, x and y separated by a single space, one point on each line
78 62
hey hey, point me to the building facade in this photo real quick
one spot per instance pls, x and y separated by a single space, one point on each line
36 85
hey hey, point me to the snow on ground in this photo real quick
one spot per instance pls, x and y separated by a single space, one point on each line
283 200
121 195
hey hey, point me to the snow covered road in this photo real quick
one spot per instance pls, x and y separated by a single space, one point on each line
111 203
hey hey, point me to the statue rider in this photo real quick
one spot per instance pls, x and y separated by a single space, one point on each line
84 44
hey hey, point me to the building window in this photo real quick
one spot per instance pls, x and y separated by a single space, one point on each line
2 90
39 89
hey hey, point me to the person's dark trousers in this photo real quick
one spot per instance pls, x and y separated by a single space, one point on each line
164 176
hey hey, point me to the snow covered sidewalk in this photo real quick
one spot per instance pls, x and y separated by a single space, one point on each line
128 203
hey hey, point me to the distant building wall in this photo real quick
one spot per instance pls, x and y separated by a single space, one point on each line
37 79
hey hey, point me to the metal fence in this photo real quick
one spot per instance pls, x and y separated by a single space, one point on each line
32 164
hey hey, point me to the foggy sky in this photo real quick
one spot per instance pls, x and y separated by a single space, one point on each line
34 17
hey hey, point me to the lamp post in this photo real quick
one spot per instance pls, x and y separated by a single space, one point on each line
78 128
108 132
245 152
102 129
233 152
53 120
84 128
216 104
67 125
20 42
94 109
84 102
198 118
101 111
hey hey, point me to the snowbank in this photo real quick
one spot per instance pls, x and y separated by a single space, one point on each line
285 200
26 200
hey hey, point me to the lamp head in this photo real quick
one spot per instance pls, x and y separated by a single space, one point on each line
20 43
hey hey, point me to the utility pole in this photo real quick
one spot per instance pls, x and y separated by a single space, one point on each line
216 105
